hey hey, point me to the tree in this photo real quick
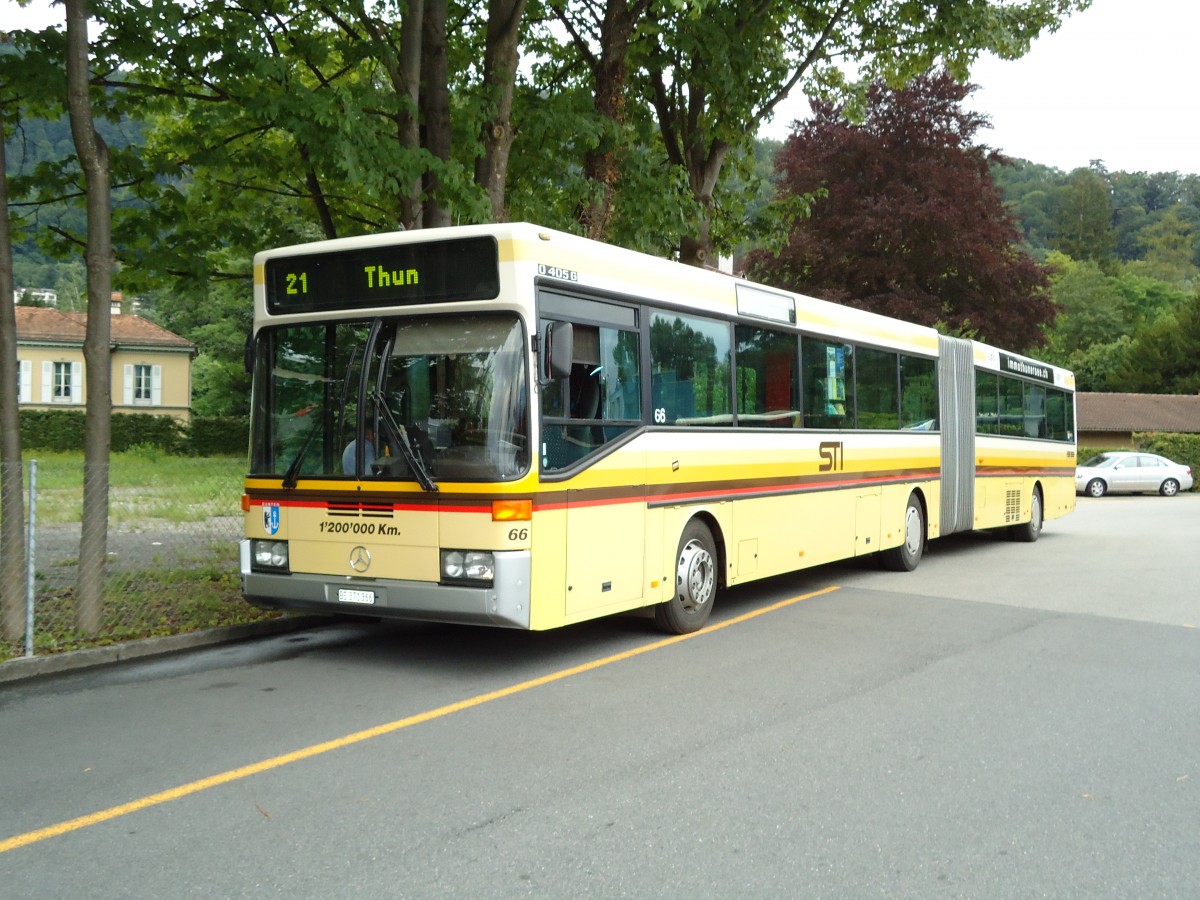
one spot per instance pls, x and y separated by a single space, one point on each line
1097 367
93 160
911 225
1146 300
1090 308
1083 219
1170 245
1165 357
602 36
1028 189
501 54
714 71
12 504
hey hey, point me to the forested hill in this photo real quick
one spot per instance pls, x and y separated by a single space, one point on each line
1097 214
43 142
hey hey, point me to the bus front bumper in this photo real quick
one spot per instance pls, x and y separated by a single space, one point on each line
504 603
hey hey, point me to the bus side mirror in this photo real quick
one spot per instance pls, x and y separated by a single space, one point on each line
249 353
558 349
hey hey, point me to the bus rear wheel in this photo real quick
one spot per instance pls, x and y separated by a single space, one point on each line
908 555
1030 531
695 583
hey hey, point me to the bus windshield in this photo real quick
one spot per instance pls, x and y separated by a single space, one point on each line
418 399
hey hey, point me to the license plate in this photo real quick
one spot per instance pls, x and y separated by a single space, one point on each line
346 595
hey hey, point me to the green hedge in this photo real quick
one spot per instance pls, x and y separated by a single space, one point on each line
223 436
62 430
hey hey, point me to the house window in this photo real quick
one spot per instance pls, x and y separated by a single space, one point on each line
62 382
141 384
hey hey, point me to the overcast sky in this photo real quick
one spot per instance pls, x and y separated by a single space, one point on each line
1118 82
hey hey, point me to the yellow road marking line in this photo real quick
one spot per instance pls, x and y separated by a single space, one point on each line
275 762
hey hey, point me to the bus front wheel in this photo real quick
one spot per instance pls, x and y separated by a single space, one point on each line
908 555
695 583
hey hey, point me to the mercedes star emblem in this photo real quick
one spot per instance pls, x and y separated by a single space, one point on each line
360 559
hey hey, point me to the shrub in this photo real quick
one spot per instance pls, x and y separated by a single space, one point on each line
219 436
62 431
52 429
134 430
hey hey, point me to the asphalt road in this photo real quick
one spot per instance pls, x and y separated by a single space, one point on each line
1009 720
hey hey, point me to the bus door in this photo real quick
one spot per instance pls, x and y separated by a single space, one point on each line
587 413
606 547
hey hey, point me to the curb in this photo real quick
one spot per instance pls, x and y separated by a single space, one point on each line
29 667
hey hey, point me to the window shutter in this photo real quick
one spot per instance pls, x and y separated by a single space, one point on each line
25 390
156 386
76 382
47 382
128 388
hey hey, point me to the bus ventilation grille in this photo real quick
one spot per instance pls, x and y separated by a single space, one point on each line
1012 506
356 510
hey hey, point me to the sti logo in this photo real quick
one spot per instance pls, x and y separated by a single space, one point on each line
271 518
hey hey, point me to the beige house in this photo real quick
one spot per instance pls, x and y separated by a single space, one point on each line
1108 421
151 367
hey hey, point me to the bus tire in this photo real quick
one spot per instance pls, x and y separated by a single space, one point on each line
908 555
1030 531
695 582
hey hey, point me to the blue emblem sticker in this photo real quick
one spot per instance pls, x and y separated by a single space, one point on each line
271 518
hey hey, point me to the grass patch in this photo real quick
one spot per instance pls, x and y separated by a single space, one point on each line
147 592
160 603
142 485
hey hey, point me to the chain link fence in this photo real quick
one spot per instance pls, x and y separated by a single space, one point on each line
172 559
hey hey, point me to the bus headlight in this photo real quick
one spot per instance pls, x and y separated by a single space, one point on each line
468 565
269 555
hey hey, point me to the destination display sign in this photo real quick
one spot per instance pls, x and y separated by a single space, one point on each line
396 275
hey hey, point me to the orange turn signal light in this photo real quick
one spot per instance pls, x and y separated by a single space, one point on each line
512 510
245 503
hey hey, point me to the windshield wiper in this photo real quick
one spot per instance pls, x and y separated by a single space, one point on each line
289 478
398 435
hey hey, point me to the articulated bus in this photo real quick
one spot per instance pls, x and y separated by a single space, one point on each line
506 425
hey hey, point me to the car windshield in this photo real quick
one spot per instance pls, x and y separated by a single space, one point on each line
1104 460
421 399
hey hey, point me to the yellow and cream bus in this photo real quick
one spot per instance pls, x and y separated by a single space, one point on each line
512 426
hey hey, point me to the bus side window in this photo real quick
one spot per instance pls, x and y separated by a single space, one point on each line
692 381
828 383
598 402
767 377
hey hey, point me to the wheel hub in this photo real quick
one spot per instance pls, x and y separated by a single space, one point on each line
695 576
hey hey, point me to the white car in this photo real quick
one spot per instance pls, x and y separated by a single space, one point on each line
1131 472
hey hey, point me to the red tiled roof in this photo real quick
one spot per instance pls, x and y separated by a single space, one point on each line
1176 413
40 324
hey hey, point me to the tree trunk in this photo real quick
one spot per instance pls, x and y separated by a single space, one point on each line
435 106
499 74
317 194
12 502
600 163
93 159
704 169
412 31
